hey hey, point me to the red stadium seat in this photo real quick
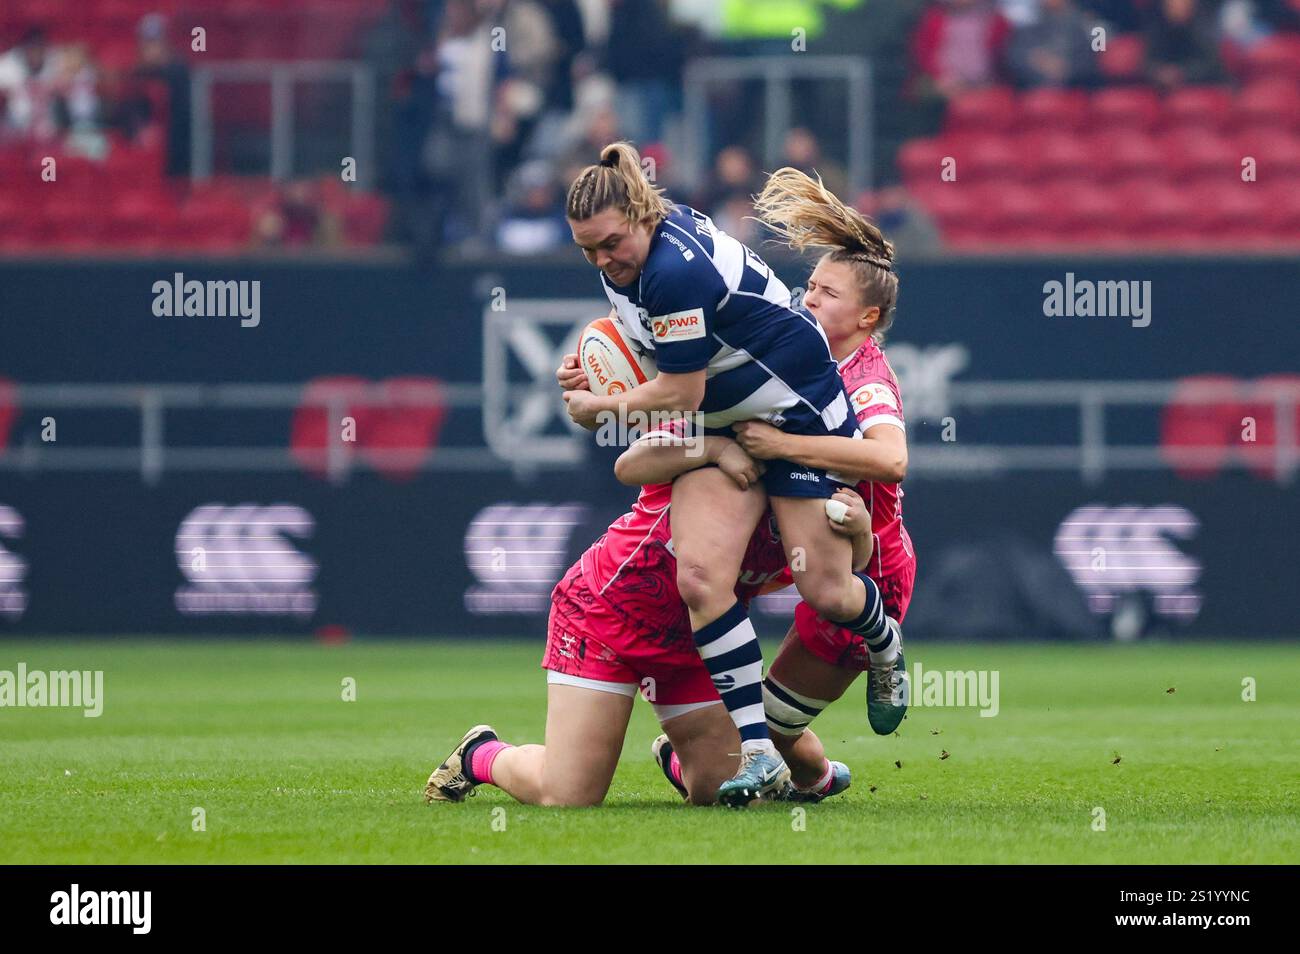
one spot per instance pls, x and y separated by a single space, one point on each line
1084 214
1059 110
1051 156
1272 104
1276 57
987 157
983 110
1155 212
1201 108
921 160
1193 155
1129 154
1124 108
1228 212
951 204
1276 153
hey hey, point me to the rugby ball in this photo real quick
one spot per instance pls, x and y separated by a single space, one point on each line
613 362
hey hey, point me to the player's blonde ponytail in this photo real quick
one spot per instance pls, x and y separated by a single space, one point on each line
617 181
808 215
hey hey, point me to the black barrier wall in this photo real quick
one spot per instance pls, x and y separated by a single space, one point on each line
456 552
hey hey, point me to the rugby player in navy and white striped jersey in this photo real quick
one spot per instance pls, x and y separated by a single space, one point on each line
727 344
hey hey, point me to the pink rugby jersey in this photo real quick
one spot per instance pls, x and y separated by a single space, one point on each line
875 397
633 567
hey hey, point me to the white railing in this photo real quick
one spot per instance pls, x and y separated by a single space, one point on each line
282 77
778 74
1090 454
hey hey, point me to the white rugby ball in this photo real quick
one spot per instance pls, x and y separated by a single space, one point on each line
613 362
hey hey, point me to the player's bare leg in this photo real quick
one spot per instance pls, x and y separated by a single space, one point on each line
584 737
712 521
821 562
798 687
703 752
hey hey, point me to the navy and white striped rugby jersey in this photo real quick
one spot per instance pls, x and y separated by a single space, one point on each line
704 300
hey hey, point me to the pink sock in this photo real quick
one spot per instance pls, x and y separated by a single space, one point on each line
823 784
484 755
675 769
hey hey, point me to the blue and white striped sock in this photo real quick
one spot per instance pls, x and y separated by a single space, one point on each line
730 650
874 626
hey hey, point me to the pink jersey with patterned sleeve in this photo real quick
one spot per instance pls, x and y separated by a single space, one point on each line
875 398
632 569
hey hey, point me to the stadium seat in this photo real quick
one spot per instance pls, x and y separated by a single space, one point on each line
1083 215
1051 156
1227 212
1062 110
988 157
992 109
951 204
1156 212
1193 155
1276 153
1271 104
1124 108
920 160
1204 109
1129 154
1275 57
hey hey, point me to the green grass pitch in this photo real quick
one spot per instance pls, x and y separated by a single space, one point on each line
258 736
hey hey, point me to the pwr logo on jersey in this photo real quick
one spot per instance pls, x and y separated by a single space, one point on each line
871 394
679 326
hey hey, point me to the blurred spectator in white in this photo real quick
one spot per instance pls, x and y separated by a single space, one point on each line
802 150
958 45
531 49
1020 13
1054 50
533 218
1182 47
1244 23
78 103
30 75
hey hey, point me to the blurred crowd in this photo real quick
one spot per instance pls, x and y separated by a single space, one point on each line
489 108
482 148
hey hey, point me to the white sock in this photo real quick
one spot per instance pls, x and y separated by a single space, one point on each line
763 746
889 653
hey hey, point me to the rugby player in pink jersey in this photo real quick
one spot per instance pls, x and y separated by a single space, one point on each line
852 293
617 626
